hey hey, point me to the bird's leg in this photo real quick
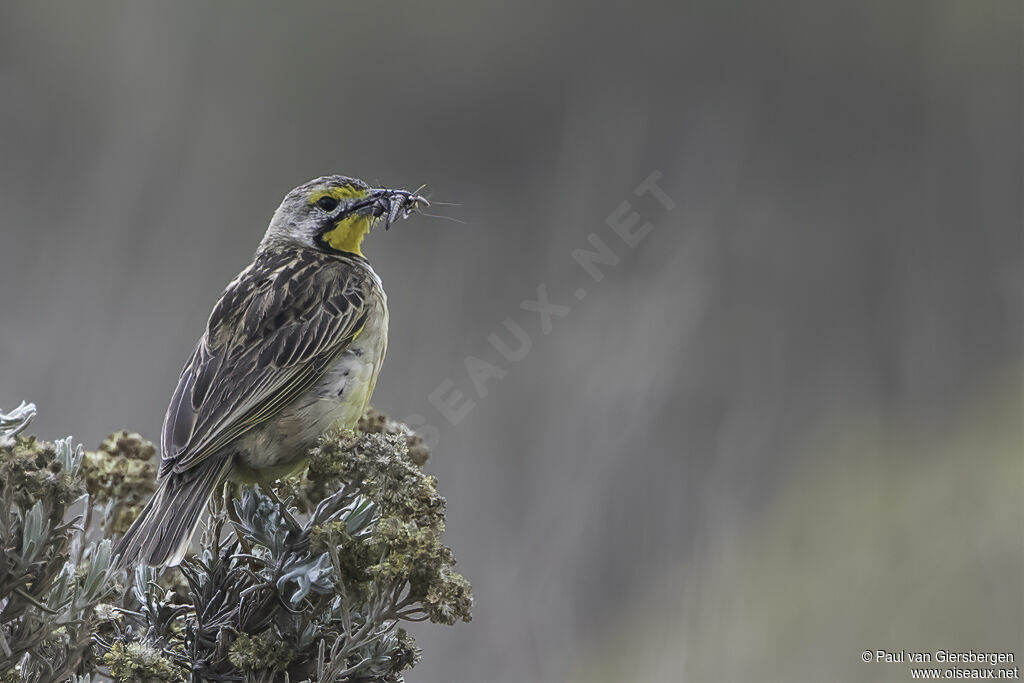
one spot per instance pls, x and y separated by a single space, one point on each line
281 506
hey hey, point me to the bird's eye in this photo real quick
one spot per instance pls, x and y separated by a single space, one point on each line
327 203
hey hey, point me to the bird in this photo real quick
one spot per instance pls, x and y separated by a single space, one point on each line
292 348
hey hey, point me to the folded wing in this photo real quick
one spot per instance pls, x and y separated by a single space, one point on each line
272 334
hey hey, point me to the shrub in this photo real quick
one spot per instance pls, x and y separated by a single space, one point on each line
310 582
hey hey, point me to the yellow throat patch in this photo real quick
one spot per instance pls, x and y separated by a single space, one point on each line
348 233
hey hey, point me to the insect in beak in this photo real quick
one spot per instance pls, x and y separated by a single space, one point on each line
396 204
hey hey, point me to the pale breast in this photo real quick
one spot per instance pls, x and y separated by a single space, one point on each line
344 391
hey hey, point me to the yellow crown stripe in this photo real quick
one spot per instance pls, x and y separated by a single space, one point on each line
339 193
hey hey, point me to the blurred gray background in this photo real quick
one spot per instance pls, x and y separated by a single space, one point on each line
785 428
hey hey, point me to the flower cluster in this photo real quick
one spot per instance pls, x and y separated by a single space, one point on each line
121 474
404 548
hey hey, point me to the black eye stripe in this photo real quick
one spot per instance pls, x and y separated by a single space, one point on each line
327 203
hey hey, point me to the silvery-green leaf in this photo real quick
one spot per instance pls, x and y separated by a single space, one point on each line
309 576
70 457
361 517
14 422
34 531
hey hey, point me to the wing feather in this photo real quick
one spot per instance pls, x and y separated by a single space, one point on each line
273 333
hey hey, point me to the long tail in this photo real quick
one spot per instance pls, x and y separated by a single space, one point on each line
161 535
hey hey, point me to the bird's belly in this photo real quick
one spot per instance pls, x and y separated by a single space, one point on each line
341 396
338 399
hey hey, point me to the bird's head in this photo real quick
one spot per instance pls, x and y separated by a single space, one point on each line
335 213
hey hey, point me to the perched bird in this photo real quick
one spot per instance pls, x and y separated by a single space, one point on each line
292 347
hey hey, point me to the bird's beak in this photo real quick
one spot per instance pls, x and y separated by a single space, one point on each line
391 205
